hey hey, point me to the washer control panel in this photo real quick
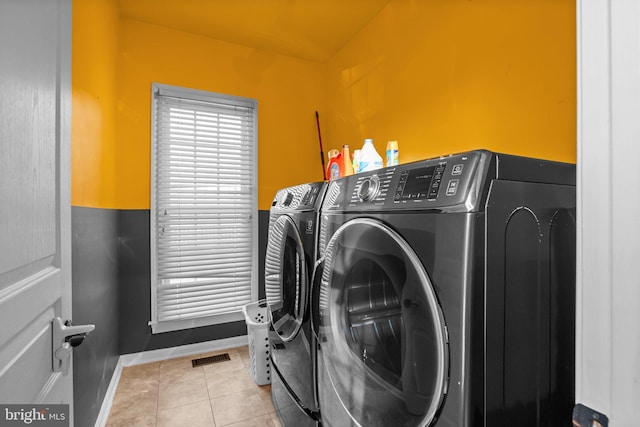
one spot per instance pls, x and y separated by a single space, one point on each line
420 183
299 197
437 182
449 182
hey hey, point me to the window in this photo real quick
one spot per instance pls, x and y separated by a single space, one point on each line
203 208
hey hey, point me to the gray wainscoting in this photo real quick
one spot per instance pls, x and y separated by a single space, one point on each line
95 300
111 289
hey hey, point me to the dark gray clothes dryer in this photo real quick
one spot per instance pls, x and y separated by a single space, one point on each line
291 254
445 294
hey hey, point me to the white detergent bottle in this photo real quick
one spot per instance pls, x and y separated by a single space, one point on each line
369 158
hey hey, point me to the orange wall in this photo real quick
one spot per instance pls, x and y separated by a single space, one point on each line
93 123
440 76
288 91
444 76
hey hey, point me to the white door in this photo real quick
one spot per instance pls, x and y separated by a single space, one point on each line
608 289
35 235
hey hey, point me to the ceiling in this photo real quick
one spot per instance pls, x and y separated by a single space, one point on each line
308 29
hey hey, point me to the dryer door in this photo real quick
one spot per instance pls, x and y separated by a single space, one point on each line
285 277
383 357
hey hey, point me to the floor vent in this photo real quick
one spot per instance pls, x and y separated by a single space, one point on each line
211 359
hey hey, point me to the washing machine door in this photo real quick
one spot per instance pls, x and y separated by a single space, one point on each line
285 277
383 356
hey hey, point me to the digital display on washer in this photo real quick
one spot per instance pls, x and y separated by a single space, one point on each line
420 183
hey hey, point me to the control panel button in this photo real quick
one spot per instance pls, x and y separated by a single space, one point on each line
435 183
452 187
457 169
305 199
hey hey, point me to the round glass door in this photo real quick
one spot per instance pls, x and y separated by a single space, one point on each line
381 332
285 277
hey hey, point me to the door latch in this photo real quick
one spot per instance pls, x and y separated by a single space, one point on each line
65 338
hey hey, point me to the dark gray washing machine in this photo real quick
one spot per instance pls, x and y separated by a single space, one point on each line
445 295
290 256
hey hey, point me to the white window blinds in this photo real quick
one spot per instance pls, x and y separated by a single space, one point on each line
204 210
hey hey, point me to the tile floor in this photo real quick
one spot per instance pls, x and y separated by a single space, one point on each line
172 393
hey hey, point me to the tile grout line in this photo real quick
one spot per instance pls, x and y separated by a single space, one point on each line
158 394
206 383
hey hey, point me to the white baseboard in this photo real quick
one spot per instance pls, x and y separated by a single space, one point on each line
183 350
103 415
158 355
